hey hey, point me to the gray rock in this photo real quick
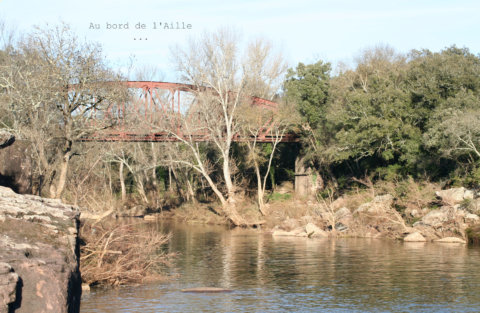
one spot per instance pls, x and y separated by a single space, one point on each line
341 227
313 230
414 213
281 232
469 217
342 213
299 232
414 237
454 196
310 230
38 255
8 287
451 240
437 218
380 204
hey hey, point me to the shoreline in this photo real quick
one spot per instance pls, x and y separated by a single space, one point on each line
452 216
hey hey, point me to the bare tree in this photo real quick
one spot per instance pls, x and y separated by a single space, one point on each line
7 36
223 80
56 85
255 123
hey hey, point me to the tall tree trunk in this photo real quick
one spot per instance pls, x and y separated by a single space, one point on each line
228 179
260 189
154 169
62 178
141 187
191 193
122 182
170 188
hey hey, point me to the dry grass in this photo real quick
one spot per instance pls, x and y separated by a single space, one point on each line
410 194
286 210
200 213
115 254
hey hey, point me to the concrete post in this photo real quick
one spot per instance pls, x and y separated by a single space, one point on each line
302 177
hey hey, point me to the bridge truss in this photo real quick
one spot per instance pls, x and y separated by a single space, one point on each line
161 111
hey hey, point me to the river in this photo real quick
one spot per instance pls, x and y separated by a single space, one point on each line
284 274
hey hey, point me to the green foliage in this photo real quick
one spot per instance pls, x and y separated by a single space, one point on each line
308 88
393 115
275 196
473 235
371 111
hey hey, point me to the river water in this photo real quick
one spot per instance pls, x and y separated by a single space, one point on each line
302 275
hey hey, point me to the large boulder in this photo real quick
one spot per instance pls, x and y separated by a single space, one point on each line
380 204
414 237
344 217
454 196
437 218
9 282
378 218
39 255
447 221
471 218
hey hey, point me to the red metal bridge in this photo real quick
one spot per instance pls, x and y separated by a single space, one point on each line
157 112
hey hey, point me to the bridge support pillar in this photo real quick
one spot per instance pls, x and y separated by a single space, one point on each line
307 180
302 177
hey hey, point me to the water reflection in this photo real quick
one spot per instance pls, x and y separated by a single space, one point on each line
285 274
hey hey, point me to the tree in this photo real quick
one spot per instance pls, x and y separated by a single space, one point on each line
372 114
56 85
255 122
308 88
224 80
434 78
445 89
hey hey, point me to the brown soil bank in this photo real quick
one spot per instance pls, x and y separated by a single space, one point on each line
38 255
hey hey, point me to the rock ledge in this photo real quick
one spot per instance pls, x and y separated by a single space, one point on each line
39 255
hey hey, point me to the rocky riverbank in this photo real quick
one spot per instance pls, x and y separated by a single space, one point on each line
39 268
452 212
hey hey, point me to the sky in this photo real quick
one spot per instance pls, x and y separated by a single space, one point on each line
303 30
